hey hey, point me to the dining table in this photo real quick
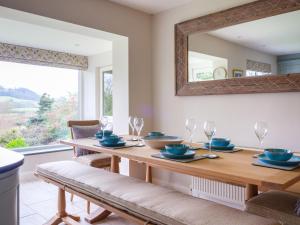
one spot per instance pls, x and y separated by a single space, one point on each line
233 168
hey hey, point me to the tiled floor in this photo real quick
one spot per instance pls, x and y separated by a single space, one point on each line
38 203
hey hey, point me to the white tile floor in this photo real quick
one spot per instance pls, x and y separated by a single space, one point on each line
38 203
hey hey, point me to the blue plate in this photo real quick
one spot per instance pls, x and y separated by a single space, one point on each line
119 144
228 147
188 155
294 161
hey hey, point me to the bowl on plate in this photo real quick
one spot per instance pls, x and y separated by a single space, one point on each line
220 142
177 149
160 142
112 139
99 134
155 134
278 154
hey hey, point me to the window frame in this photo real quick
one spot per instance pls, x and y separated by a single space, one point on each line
99 89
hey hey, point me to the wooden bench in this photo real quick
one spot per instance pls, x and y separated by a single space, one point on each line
279 205
138 201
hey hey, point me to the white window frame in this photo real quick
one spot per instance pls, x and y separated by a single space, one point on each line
99 89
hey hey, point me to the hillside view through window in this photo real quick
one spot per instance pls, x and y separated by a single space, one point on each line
35 104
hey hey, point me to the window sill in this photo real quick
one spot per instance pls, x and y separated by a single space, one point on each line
43 149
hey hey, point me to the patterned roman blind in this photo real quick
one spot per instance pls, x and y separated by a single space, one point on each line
36 56
258 66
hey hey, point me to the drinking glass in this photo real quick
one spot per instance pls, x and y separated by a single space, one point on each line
104 122
191 126
138 125
109 126
130 121
210 130
261 130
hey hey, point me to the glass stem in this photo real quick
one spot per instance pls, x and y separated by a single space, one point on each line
191 139
139 137
210 140
260 144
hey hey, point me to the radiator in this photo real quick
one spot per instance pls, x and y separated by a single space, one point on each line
226 194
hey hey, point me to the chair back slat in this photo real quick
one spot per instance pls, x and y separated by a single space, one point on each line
72 123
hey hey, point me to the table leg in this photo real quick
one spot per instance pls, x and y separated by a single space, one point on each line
148 174
114 166
251 191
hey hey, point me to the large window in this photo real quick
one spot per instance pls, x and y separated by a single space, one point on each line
35 104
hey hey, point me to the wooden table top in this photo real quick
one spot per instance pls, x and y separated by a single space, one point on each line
233 168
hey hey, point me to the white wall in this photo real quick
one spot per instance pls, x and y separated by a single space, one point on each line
31 161
234 114
120 86
89 84
237 55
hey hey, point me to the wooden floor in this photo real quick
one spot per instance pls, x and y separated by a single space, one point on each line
38 204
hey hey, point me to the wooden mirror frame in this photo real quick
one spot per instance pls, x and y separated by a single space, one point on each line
237 15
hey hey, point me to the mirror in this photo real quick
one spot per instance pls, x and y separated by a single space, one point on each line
263 47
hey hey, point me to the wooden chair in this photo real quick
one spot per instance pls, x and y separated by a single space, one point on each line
98 160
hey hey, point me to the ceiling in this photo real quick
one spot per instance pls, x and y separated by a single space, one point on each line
151 6
30 35
277 35
31 30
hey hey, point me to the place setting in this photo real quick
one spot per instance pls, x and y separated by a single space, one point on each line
107 139
178 153
276 158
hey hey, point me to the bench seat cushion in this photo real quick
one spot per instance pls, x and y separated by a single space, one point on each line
275 204
98 160
148 201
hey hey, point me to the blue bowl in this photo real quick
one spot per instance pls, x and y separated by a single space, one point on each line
278 154
176 149
107 133
99 134
220 142
112 139
155 134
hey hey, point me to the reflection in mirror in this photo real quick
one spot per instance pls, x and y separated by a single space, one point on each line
261 47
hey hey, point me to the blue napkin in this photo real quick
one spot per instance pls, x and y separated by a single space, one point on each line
297 209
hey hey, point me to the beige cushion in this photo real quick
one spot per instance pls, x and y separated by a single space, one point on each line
162 205
275 204
98 160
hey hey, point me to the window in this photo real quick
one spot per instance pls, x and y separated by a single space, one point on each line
107 92
205 67
255 68
35 104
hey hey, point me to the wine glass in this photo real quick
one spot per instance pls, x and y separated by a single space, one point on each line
261 130
138 125
109 126
104 122
191 126
210 130
130 121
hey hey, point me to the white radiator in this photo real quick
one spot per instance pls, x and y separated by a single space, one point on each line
227 194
